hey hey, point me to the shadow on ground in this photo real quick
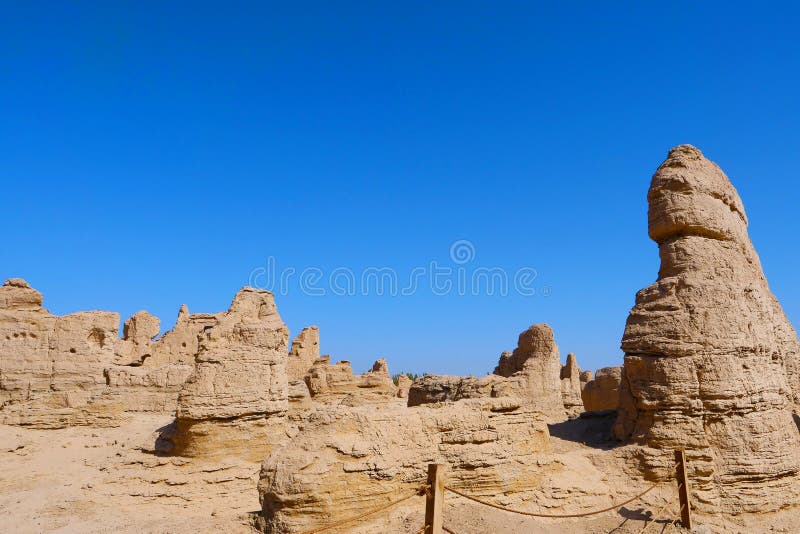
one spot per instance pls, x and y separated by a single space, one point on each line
163 444
592 429
640 514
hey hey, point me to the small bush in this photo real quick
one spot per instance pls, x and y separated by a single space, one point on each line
396 378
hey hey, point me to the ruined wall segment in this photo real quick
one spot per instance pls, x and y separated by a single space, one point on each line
602 392
238 388
51 367
336 383
571 386
304 352
58 371
536 366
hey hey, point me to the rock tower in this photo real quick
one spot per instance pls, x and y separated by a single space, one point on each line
709 353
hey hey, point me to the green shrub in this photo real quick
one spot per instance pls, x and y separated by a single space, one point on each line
396 378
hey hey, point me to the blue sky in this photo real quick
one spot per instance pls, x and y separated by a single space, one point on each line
158 153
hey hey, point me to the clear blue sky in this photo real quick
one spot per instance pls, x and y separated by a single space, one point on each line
156 153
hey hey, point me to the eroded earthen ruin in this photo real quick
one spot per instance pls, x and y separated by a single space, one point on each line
709 354
601 392
711 365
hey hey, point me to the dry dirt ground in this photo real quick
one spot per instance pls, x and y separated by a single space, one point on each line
109 480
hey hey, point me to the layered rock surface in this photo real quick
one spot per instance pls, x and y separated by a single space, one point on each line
51 368
532 371
602 392
147 374
708 349
74 369
238 388
137 339
336 382
431 389
347 460
586 377
571 386
304 352
536 365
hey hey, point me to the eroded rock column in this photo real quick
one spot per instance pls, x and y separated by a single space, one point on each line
708 349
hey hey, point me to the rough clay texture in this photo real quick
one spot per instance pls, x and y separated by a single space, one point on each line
51 368
571 387
585 378
403 385
537 364
532 372
74 369
347 460
708 350
304 352
602 392
336 382
711 365
239 380
149 374
431 389
137 339
86 479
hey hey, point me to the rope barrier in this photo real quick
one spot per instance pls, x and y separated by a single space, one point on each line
554 516
417 492
426 489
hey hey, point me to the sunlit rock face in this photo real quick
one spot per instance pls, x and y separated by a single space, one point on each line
303 354
536 365
532 371
349 459
52 367
236 399
58 371
602 392
571 386
711 360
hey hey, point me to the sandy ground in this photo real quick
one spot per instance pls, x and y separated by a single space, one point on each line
109 480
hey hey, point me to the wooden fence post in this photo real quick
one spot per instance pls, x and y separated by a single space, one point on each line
434 499
683 488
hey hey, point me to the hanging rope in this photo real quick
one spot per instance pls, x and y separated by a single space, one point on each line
554 516
419 491
424 489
